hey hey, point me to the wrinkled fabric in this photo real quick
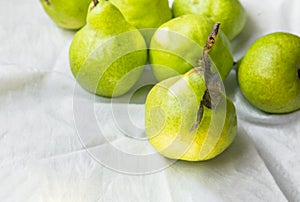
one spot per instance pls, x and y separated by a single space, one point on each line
44 156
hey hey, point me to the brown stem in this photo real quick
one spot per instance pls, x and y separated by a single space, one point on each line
212 84
95 2
299 73
47 2
208 46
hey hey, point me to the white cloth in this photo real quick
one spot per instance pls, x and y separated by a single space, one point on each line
42 157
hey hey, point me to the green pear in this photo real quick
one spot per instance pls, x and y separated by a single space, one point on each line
70 14
230 13
107 56
175 124
145 13
176 47
269 74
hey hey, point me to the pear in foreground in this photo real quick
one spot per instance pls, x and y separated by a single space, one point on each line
176 47
178 128
230 13
69 14
107 56
269 74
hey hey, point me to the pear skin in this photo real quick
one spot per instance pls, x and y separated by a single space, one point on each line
107 56
230 13
171 110
269 73
189 117
176 47
69 14
146 13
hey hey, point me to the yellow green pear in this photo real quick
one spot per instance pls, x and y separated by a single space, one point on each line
107 56
269 73
188 116
230 13
69 14
176 47
144 13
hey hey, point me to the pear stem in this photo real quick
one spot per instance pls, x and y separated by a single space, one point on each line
212 85
208 46
95 2
47 2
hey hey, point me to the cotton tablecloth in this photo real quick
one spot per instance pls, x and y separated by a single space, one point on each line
48 145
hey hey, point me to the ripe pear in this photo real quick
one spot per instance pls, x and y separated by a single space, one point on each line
176 47
230 13
107 56
146 13
69 14
175 124
269 74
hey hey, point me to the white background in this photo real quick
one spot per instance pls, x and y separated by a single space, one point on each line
42 158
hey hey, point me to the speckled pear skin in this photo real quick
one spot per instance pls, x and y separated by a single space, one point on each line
69 14
269 74
171 110
108 55
144 13
230 13
176 47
